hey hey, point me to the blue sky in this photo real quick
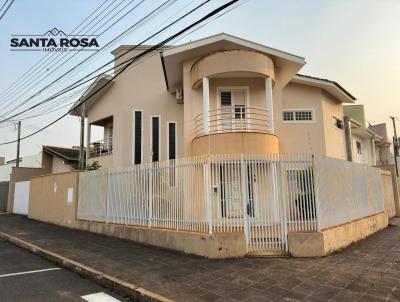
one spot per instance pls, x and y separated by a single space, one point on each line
355 43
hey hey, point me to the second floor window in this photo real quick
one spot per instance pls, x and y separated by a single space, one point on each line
171 140
155 138
138 137
298 115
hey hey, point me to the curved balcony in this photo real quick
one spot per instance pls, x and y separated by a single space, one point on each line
234 130
235 119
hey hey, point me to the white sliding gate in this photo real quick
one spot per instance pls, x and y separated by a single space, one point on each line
21 197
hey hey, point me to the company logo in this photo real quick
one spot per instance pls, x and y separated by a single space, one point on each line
54 40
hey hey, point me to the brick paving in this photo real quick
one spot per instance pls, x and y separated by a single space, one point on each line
366 271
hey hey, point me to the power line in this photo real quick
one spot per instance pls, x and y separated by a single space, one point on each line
217 16
50 64
7 8
18 82
4 4
71 87
48 57
155 47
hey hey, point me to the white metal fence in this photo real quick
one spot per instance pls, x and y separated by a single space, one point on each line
264 196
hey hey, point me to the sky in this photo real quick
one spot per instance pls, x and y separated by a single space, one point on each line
353 42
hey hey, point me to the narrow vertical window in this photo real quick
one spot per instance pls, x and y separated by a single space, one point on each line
155 138
171 140
138 138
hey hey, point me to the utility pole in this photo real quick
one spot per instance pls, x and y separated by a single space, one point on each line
82 134
18 142
395 144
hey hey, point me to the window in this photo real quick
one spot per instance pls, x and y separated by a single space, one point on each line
359 147
232 107
298 115
172 140
137 153
226 98
155 138
338 123
288 116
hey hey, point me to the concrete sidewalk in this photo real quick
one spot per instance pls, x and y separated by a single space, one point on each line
367 271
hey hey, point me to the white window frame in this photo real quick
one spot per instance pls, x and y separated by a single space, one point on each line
298 121
133 136
220 89
151 137
176 138
231 88
340 119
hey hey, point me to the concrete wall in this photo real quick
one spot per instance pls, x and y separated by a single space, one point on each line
49 205
48 198
318 244
235 143
19 174
395 185
388 193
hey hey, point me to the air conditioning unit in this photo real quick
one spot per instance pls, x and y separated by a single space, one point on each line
179 95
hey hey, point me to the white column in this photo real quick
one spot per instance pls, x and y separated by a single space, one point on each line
206 104
270 103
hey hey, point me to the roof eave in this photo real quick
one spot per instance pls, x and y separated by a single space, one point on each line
103 82
331 87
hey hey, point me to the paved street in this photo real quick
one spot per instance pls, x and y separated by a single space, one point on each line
367 271
27 277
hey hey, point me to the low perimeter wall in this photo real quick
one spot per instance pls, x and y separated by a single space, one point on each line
53 198
317 244
50 202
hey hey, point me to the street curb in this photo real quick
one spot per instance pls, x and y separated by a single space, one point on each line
110 282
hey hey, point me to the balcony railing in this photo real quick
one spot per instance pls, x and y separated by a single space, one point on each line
234 119
100 148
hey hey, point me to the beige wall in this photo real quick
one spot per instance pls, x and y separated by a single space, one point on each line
141 87
301 137
60 166
335 141
232 61
236 143
395 186
105 161
48 198
388 193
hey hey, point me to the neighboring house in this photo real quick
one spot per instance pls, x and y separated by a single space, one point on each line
221 94
382 147
59 159
362 141
31 161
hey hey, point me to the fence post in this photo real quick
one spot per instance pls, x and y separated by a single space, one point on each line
208 193
150 195
108 193
243 181
316 192
282 200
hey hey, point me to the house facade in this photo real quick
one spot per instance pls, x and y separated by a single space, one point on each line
218 95
366 144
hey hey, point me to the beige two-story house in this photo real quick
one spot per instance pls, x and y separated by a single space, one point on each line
218 95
